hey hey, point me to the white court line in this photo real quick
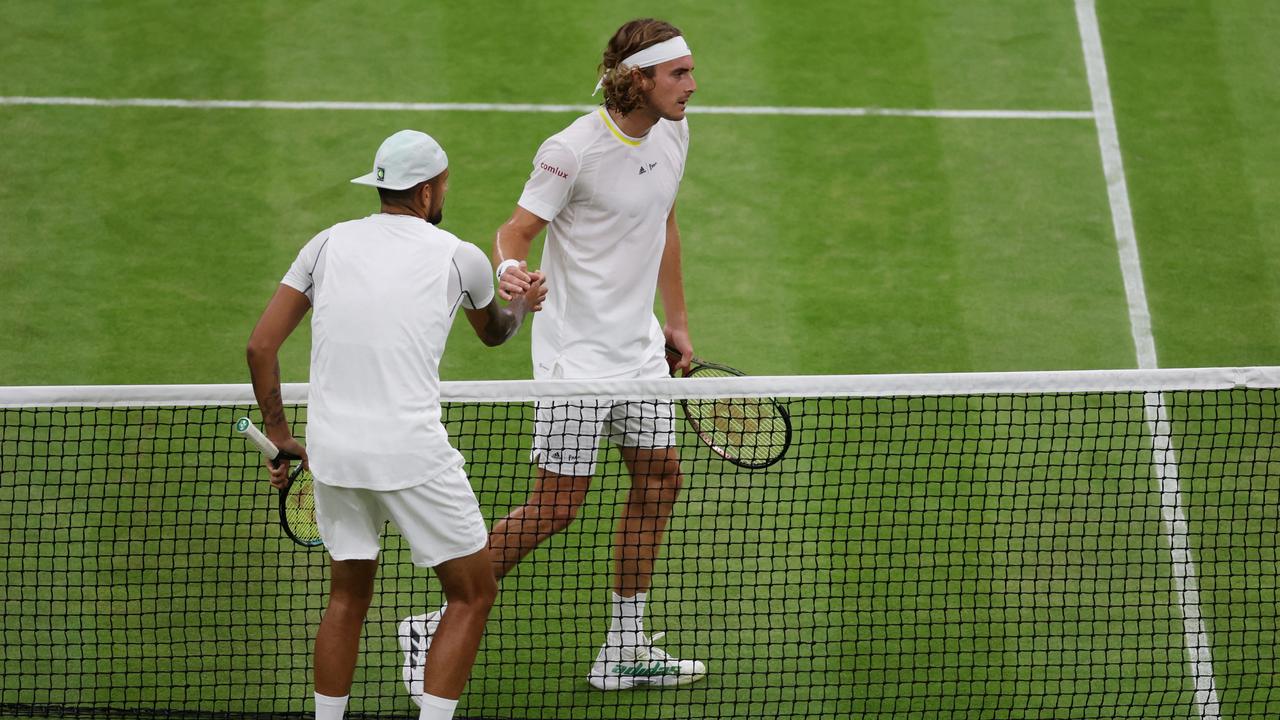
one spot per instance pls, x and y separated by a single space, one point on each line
541 108
1164 457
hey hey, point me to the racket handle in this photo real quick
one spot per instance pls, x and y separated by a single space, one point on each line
251 433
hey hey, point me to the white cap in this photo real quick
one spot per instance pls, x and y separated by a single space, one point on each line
404 160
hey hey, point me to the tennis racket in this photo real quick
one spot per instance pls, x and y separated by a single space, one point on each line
297 501
748 432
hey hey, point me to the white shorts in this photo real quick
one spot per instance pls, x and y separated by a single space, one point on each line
440 519
566 435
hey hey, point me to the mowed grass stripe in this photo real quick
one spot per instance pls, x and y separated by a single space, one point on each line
826 237
1164 451
1195 104
994 114
985 53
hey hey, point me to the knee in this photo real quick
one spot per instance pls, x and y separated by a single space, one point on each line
672 479
561 516
477 597
486 591
666 480
658 469
556 515
657 489
349 603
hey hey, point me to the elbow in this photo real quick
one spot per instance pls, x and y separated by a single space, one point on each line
256 351
501 329
493 339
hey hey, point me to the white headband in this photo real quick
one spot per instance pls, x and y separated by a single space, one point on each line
666 50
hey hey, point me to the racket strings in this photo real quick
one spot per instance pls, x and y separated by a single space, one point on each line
299 504
753 431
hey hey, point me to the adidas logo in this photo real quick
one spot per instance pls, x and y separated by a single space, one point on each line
652 165
656 669
415 645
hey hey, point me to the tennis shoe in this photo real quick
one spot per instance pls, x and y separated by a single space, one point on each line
619 667
415 635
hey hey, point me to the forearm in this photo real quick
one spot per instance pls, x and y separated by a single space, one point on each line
282 315
504 322
671 283
264 371
512 242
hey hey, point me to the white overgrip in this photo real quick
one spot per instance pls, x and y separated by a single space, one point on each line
251 433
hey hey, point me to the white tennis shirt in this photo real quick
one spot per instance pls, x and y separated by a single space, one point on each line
383 290
606 197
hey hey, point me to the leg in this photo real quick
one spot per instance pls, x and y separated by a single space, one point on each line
565 442
629 657
469 590
551 507
338 640
655 486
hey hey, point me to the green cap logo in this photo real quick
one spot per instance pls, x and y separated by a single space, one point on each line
382 174
242 424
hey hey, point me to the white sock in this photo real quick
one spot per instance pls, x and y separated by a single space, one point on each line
628 619
331 708
437 708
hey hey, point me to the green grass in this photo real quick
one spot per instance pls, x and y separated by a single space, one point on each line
139 246
881 244
1195 106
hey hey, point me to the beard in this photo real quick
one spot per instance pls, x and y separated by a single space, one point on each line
675 111
436 217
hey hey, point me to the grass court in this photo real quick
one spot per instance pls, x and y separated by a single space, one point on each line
139 244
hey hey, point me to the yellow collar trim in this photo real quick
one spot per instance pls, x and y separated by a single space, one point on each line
608 122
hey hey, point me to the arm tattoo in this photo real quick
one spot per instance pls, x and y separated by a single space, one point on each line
273 408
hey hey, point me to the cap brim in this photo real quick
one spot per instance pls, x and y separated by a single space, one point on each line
371 179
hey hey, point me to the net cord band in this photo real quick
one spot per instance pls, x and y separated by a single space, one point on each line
901 385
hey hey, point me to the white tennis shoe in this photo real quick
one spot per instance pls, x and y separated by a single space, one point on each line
415 635
618 667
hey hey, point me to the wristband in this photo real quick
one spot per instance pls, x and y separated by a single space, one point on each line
506 265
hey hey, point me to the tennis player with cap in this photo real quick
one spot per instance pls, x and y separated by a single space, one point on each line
605 190
382 292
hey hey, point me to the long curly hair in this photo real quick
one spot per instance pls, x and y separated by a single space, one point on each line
621 93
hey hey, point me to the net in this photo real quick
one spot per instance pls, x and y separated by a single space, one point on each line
1066 545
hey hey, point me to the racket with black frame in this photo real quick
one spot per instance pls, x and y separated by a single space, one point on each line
297 500
748 432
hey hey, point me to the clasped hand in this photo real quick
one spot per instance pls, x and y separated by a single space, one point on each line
520 282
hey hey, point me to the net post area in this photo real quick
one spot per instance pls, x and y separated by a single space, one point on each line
1028 545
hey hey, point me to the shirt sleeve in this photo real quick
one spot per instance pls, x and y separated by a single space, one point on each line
475 276
555 168
307 267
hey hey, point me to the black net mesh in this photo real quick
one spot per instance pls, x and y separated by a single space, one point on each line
994 556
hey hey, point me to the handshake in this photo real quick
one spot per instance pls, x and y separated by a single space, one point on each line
516 282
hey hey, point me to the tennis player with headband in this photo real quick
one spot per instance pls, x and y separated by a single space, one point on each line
605 189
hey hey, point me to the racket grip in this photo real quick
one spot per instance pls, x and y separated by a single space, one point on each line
251 433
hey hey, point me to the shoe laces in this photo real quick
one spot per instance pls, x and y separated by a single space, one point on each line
647 651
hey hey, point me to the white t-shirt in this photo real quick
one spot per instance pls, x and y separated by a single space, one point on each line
383 290
606 197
